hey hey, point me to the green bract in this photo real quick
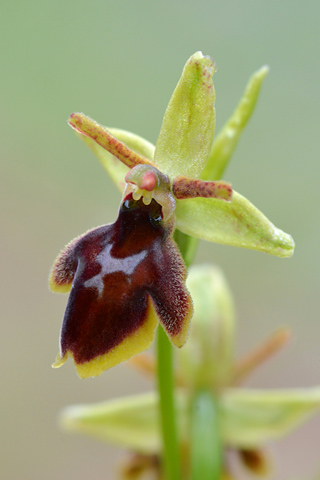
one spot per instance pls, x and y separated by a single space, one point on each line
184 152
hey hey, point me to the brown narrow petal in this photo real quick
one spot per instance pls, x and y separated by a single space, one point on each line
269 347
85 125
184 187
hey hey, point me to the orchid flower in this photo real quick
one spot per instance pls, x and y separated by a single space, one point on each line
126 277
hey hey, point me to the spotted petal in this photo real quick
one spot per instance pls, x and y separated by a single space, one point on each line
236 223
116 169
125 277
184 187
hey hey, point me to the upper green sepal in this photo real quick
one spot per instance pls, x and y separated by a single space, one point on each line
237 223
187 131
227 139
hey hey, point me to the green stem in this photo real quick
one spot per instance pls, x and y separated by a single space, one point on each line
187 246
206 452
170 438
206 449
167 407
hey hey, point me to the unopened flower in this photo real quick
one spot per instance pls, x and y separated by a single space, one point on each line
128 276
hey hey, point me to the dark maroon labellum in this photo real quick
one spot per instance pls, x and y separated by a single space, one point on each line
117 269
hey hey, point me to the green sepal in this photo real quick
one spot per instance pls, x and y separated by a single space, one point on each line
227 139
248 418
187 131
116 169
236 223
252 417
131 422
206 360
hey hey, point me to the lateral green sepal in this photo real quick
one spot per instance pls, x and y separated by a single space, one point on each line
252 417
129 422
237 223
248 418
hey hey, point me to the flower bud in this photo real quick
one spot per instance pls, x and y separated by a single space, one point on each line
206 359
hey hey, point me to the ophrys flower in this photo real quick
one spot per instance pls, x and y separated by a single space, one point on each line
127 276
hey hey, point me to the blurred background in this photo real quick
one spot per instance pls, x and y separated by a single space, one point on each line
119 61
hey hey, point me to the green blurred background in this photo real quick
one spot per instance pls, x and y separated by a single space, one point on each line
119 61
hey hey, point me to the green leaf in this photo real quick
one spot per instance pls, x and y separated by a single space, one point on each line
130 422
206 359
227 140
236 223
187 131
116 169
252 417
